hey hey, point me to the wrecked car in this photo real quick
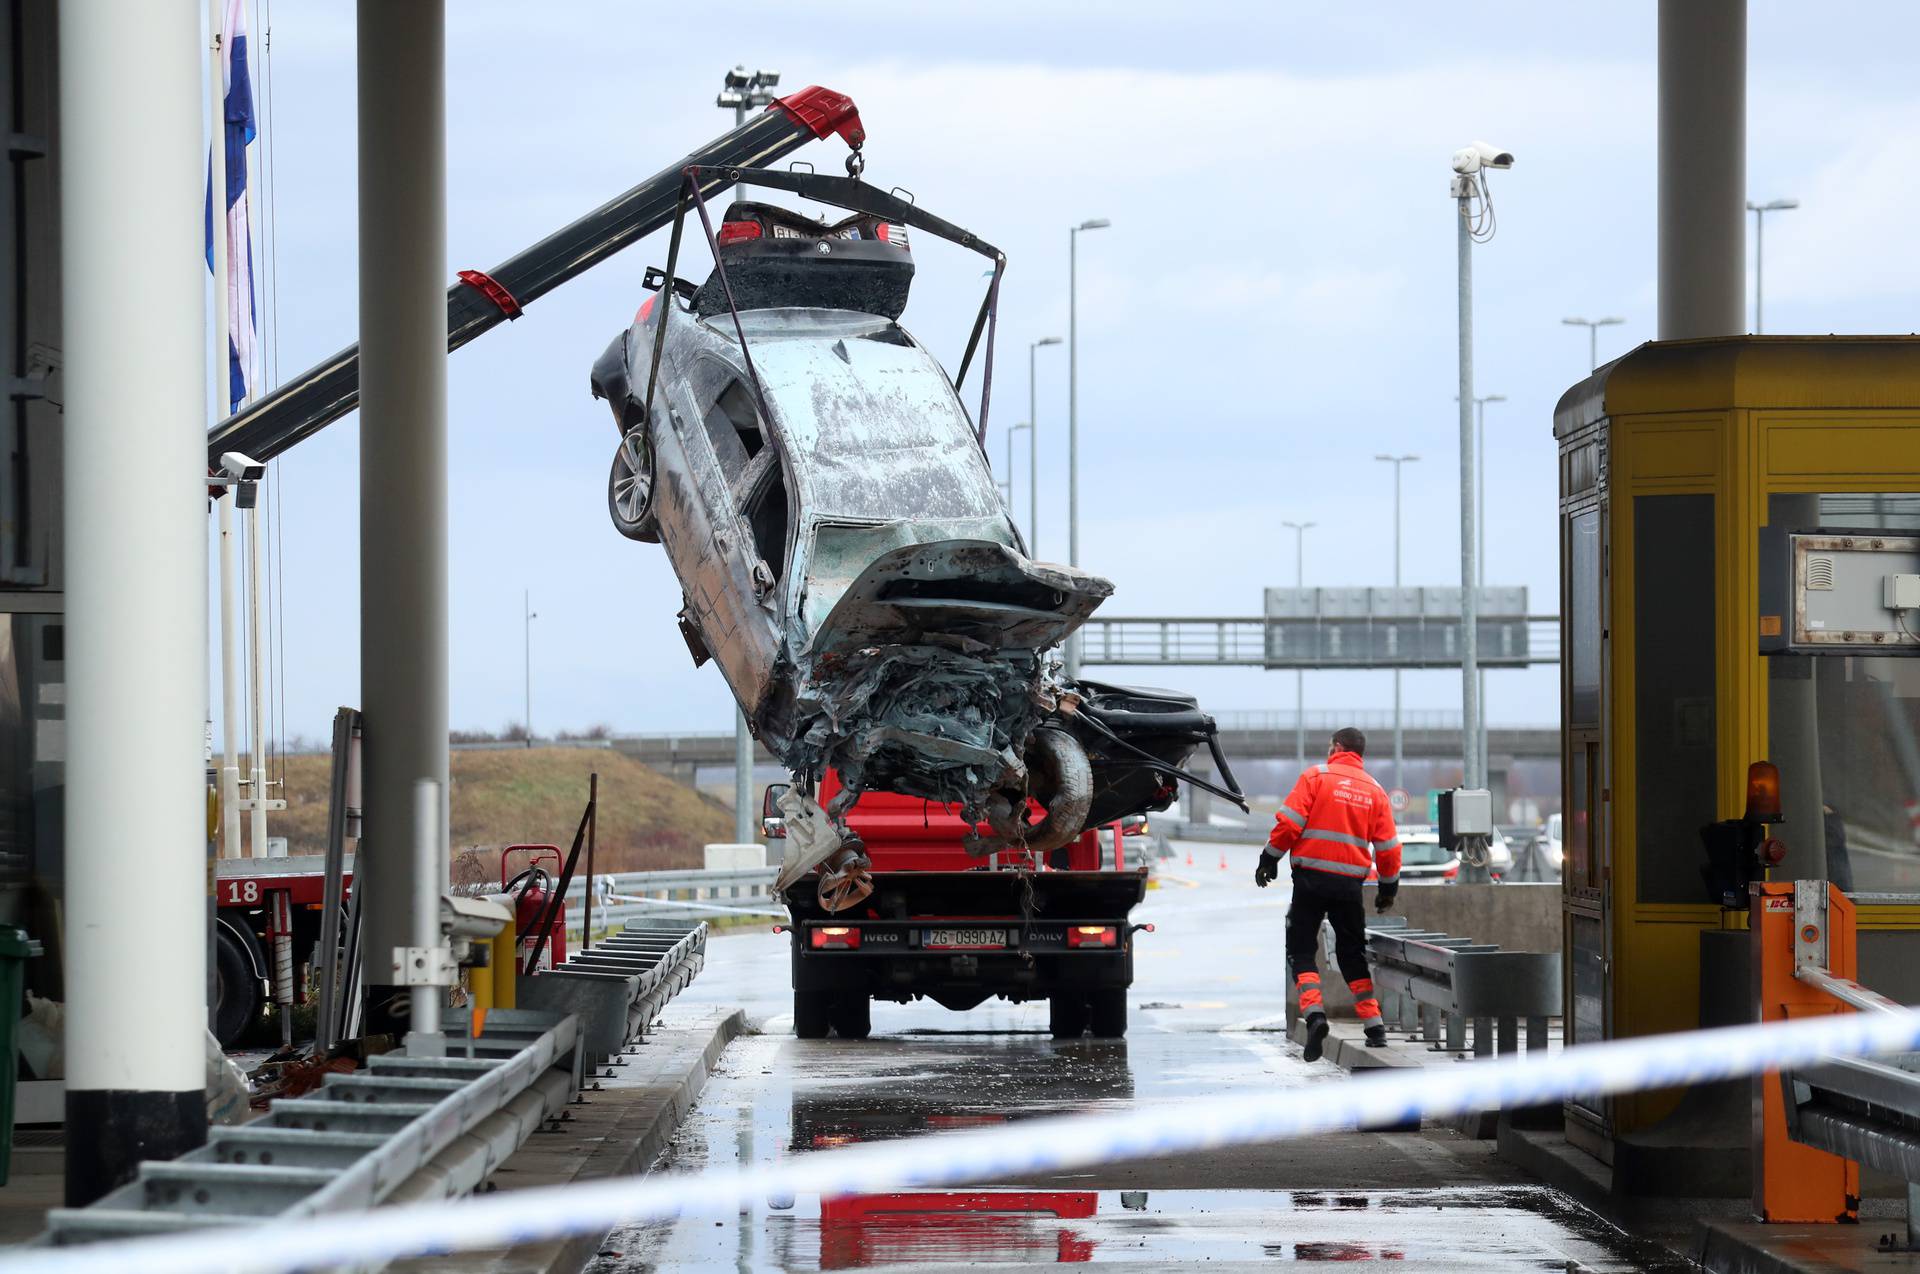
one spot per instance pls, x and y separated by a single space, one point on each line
846 559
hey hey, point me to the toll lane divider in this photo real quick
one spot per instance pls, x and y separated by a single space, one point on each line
508 1218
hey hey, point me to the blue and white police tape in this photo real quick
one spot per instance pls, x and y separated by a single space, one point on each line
1022 1149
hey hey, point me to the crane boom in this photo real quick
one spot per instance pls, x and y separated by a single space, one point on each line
478 302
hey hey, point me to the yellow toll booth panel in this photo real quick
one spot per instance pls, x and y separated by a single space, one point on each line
1682 464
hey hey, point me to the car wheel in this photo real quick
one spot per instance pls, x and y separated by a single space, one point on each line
1109 1012
237 992
630 489
852 1016
1067 1015
811 1014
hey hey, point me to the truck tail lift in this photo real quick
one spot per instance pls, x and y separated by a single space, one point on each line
481 301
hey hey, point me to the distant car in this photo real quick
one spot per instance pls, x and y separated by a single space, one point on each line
1550 844
1423 862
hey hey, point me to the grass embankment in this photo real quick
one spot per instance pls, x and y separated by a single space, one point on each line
510 796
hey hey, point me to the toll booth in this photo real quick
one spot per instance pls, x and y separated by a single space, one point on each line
1683 467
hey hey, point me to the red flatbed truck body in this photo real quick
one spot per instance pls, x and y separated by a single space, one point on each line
958 929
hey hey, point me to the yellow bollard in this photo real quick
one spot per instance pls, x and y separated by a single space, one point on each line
505 967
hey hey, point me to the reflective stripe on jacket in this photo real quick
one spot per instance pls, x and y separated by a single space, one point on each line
1337 820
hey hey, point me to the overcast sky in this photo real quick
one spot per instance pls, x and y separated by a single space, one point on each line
1273 305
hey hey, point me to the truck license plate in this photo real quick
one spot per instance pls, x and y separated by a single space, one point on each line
965 938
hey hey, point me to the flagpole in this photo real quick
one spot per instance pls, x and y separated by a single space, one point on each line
222 327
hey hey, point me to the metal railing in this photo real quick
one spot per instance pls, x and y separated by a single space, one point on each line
360 1138
690 894
1433 984
619 984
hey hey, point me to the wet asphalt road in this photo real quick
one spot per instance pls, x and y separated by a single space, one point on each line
1206 1018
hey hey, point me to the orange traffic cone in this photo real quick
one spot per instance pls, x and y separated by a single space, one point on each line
1189 856
1223 860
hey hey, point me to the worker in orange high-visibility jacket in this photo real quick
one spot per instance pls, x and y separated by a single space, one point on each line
1338 825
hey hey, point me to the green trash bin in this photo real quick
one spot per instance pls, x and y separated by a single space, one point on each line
16 948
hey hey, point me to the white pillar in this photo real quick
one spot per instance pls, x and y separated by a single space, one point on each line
1703 168
133 174
403 453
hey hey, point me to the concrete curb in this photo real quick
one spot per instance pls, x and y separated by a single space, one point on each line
623 1123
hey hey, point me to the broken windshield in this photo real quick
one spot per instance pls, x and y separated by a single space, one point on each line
875 424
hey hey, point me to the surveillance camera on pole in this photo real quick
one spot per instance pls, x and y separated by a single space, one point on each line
1471 159
243 473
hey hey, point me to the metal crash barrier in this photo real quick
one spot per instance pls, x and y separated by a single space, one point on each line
1433 985
1822 1122
619 984
407 1128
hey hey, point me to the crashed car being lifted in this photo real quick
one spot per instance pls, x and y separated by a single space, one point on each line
844 552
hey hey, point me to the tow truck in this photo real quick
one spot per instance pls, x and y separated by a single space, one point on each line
945 925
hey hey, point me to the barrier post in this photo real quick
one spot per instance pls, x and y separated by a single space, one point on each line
1792 1182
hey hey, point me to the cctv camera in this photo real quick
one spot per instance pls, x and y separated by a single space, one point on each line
1472 159
242 467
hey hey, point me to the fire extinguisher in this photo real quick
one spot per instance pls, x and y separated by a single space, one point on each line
532 891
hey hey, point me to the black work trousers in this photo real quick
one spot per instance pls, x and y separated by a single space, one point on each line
1317 896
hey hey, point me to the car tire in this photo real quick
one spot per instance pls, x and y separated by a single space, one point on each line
852 1016
1109 1013
630 489
811 1014
237 993
1067 1015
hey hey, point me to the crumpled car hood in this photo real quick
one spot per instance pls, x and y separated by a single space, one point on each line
972 595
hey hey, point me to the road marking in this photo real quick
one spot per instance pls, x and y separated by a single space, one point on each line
1182 881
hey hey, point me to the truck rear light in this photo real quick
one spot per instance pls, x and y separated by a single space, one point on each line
736 231
841 936
1092 936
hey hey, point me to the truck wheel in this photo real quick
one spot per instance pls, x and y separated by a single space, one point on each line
1067 1015
1110 1013
810 1012
853 1016
237 990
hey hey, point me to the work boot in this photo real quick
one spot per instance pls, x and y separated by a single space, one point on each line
1316 1036
1377 1036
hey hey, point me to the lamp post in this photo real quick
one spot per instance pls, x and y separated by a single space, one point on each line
1593 327
1299 530
1033 450
526 647
744 90
1073 412
1399 742
1011 431
1760 211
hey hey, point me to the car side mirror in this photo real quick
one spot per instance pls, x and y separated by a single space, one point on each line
773 825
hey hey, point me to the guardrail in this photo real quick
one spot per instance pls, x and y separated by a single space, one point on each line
1435 984
695 894
361 1138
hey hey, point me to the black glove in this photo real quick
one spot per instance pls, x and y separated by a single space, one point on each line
1269 868
1383 900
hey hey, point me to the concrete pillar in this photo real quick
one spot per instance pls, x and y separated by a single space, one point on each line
403 456
1703 168
133 172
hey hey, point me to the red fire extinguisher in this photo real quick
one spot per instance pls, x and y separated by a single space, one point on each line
532 892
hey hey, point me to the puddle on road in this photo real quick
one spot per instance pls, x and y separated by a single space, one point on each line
1503 1228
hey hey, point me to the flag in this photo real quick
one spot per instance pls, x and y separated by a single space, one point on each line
238 131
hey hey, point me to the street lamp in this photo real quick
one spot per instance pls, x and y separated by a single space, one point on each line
1033 451
1593 327
1399 743
1480 483
746 90
1073 412
1299 530
526 648
1011 431
1760 211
